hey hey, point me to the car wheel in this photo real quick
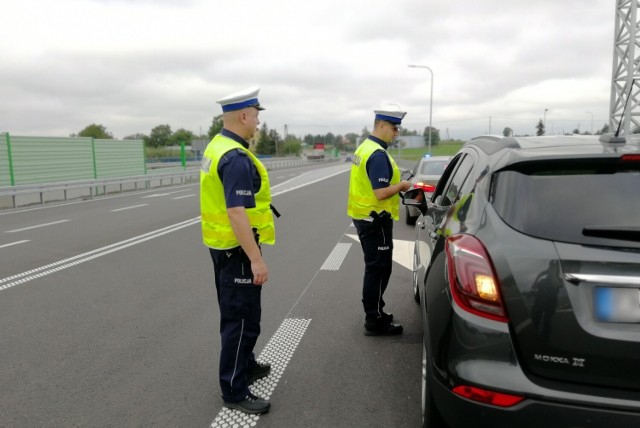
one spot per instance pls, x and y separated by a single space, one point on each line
408 218
416 291
431 417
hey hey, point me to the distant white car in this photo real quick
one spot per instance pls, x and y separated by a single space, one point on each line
426 174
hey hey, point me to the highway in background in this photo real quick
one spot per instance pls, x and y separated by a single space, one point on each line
109 316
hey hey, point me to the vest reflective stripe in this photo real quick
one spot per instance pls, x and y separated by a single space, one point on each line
362 199
216 226
220 218
213 235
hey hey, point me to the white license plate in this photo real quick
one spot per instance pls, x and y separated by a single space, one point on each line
617 304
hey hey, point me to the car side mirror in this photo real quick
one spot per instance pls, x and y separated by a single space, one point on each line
415 198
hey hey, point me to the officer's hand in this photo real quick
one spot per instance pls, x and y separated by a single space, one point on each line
405 185
260 272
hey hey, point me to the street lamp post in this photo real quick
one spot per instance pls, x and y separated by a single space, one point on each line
544 120
591 121
430 100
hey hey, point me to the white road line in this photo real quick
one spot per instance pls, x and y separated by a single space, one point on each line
37 226
129 208
27 276
402 251
185 196
278 353
273 194
155 195
14 243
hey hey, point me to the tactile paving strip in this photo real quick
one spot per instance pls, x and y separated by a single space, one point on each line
278 353
335 259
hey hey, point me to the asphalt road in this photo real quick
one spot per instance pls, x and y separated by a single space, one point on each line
109 316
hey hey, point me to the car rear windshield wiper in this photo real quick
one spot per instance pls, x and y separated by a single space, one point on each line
626 233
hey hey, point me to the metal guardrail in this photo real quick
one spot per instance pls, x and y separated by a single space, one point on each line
29 194
269 163
42 193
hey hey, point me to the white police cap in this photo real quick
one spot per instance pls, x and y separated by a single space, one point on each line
390 114
241 99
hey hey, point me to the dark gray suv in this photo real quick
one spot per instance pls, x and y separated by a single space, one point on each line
527 269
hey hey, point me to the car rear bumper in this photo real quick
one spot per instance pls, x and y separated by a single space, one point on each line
461 412
494 366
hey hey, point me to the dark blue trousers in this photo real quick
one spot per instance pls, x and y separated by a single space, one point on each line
240 311
377 244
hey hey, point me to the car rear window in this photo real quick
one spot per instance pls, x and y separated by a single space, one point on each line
568 201
433 167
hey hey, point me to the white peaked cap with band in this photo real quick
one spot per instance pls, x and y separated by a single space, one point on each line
391 114
241 99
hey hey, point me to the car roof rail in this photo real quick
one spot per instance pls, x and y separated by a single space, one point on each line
494 143
489 137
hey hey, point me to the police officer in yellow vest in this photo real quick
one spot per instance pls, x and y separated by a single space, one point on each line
235 199
373 205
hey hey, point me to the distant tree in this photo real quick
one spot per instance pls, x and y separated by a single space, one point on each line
216 126
138 136
292 145
95 131
604 130
435 136
277 142
406 132
507 132
576 131
540 128
265 145
340 142
160 136
352 137
330 139
182 136
364 134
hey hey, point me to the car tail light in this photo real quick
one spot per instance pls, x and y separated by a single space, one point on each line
472 279
426 187
486 396
630 158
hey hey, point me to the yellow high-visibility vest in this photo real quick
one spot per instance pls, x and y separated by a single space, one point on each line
216 226
362 200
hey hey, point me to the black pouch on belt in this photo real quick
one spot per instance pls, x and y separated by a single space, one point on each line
379 219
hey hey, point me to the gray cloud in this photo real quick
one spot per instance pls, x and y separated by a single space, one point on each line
323 65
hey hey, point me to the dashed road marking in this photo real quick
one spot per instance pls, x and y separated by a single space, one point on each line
37 226
129 208
14 243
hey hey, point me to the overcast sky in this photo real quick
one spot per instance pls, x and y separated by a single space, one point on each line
322 65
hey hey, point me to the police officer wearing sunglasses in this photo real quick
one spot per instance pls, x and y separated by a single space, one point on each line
374 204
